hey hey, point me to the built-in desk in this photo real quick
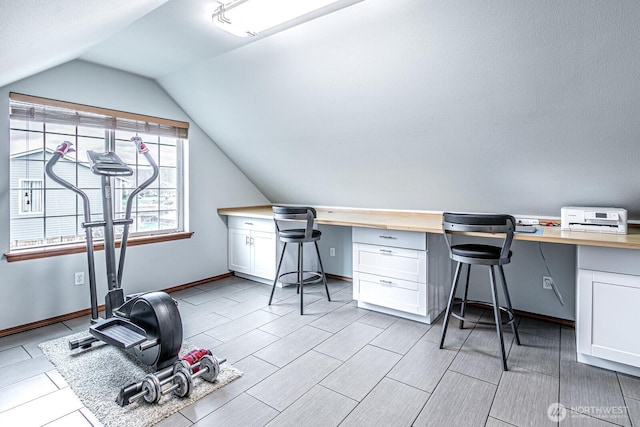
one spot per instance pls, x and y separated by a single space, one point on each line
607 277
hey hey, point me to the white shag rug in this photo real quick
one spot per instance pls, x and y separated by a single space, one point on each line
97 374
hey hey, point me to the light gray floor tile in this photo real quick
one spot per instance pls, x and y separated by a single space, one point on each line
204 341
25 369
583 386
244 345
459 400
339 319
423 366
401 336
493 422
348 341
43 410
175 420
286 324
294 345
319 407
630 386
24 391
479 357
253 370
288 384
633 410
90 417
13 355
185 293
57 379
258 291
575 419
541 328
210 296
241 326
536 354
242 411
80 323
389 404
322 305
243 308
379 320
523 398
74 419
567 344
192 326
455 336
34 337
360 374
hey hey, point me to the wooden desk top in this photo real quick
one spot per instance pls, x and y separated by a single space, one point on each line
432 223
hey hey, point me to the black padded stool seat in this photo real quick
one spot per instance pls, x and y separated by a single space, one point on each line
299 236
480 254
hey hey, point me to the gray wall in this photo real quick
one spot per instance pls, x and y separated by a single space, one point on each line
500 105
38 289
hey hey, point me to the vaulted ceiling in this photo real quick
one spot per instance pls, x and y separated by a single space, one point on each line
474 105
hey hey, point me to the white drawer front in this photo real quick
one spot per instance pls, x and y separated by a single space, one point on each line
394 238
399 263
259 224
392 293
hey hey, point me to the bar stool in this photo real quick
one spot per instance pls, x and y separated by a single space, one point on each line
299 236
480 254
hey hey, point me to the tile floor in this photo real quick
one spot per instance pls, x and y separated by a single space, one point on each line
342 365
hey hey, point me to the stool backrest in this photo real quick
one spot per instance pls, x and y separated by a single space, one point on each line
295 213
480 223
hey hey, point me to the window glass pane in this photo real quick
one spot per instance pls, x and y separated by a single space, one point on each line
58 201
26 231
63 227
24 143
27 125
90 131
168 155
60 129
168 199
147 221
168 177
168 141
169 220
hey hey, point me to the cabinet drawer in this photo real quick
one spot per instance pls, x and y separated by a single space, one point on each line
245 223
394 238
397 294
399 263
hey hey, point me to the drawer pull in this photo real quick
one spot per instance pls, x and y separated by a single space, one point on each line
387 237
386 282
386 251
248 223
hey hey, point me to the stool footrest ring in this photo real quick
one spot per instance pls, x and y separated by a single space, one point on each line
510 315
312 277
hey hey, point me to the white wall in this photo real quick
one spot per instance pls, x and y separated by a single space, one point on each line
39 289
501 105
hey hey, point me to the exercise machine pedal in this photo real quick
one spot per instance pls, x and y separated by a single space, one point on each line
118 333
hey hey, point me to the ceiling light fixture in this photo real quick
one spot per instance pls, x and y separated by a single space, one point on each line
250 17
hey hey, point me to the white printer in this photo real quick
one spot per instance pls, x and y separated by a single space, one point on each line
598 220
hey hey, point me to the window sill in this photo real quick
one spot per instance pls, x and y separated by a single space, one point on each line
26 254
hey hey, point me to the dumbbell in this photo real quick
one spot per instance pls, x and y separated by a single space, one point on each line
152 381
181 377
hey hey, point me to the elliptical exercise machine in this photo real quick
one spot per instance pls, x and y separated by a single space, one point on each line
147 325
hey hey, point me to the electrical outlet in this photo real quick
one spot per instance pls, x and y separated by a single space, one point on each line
547 282
332 251
78 278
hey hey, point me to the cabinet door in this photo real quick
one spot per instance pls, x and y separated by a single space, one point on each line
263 254
608 316
239 250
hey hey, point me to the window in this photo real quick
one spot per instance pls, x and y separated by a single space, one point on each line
31 201
44 213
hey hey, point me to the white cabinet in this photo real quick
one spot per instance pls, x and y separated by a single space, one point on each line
393 272
607 315
252 247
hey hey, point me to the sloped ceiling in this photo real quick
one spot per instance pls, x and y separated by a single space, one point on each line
39 34
497 105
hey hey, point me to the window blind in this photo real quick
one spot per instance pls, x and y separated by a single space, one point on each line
31 108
